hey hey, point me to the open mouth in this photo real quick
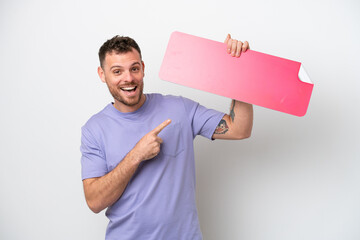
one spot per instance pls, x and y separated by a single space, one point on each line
129 89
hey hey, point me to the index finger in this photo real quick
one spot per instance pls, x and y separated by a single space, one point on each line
159 128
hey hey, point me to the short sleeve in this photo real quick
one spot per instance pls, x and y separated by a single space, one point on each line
203 120
93 162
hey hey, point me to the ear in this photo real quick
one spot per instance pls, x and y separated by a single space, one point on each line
101 74
143 67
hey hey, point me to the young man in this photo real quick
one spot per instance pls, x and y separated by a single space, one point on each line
137 153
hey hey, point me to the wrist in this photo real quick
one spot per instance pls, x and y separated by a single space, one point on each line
134 157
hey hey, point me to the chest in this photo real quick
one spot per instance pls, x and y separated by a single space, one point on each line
124 135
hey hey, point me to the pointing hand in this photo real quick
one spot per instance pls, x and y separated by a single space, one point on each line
149 145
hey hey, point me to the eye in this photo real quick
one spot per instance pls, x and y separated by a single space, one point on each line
116 71
135 69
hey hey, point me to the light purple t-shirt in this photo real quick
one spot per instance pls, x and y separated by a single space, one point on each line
159 201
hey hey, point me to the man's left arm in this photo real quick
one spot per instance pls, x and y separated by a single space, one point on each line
238 123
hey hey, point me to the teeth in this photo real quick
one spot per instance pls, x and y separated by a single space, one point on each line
128 88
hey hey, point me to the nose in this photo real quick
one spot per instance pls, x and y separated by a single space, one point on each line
127 77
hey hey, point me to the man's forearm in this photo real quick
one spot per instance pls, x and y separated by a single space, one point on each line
104 191
241 117
237 124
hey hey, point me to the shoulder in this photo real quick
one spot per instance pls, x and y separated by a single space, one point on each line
174 107
96 120
166 100
161 97
171 99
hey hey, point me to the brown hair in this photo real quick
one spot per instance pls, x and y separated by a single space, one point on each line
119 44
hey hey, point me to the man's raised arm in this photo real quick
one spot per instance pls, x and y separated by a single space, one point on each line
238 123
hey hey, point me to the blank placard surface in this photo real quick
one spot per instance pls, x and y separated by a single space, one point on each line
255 77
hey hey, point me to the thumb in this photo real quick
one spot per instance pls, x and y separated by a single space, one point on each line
227 38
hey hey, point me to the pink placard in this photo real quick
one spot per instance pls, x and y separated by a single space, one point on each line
254 77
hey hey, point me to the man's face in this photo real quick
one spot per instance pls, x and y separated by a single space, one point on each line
123 73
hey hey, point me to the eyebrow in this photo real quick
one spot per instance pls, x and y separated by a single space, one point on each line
119 66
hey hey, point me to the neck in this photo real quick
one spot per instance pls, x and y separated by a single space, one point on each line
125 108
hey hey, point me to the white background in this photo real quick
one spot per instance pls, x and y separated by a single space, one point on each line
295 178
